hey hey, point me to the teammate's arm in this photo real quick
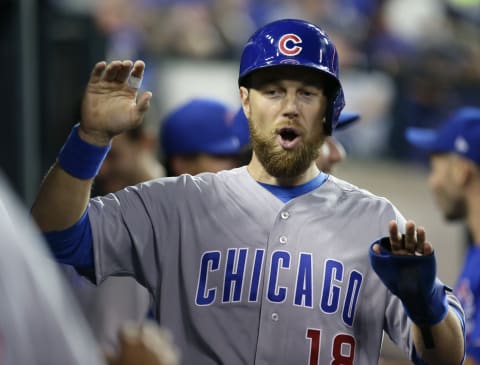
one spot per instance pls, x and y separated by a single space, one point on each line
406 265
109 107
447 339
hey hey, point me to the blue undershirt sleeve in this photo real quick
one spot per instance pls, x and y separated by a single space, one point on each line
74 245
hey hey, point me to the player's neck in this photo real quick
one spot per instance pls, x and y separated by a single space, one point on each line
258 172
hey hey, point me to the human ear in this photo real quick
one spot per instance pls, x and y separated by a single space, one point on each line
244 98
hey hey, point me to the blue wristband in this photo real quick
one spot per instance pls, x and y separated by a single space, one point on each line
79 158
413 280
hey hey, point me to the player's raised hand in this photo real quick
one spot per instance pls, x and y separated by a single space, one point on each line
413 242
111 105
407 266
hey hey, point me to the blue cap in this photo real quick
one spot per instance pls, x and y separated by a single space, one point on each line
199 126
459 133
346 119
240 127
240 124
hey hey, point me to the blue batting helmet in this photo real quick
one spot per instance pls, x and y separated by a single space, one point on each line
293 42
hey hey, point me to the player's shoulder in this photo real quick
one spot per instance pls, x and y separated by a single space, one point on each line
205 182
225 174
171 187
225 177
347 190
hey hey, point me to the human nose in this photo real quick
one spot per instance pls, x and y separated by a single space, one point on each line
291 105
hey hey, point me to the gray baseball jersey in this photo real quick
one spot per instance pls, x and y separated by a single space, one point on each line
242 278
40 322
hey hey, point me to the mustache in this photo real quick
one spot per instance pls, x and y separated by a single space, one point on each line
298 128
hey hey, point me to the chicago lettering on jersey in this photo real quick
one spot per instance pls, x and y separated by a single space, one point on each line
228 280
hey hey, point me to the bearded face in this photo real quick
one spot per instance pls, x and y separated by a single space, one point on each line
446 186
286 163
286 108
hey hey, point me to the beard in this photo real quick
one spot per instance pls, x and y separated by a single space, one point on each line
456 211
282 163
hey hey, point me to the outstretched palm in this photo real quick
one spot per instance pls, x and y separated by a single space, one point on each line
110 105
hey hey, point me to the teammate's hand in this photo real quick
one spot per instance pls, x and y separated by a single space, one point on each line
110 104
412 243
144 344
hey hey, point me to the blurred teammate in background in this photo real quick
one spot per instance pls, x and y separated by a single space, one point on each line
454 179
132 159
40 321
198 137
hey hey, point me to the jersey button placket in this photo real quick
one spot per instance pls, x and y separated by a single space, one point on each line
284 216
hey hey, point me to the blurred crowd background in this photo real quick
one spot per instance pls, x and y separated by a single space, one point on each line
403 63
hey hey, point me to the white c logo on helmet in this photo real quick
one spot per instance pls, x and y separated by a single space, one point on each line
288 44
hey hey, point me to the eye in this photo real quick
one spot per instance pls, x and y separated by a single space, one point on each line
309 92
271 91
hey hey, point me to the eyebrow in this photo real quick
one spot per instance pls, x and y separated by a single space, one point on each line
261 81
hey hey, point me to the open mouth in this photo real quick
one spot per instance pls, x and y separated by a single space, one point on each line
288 134
288 137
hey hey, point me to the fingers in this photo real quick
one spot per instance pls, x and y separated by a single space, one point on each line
143 102
119 72
410 236
376 249
423 247
111 103
147 344
413 242
138 69
135 78
112 70
124 71
97 71
395 237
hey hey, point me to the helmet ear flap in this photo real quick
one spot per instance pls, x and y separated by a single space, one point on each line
327 126
336 106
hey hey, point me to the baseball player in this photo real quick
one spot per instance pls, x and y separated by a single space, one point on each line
197 136
40 321
455 182
270 263
332 151
131 159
